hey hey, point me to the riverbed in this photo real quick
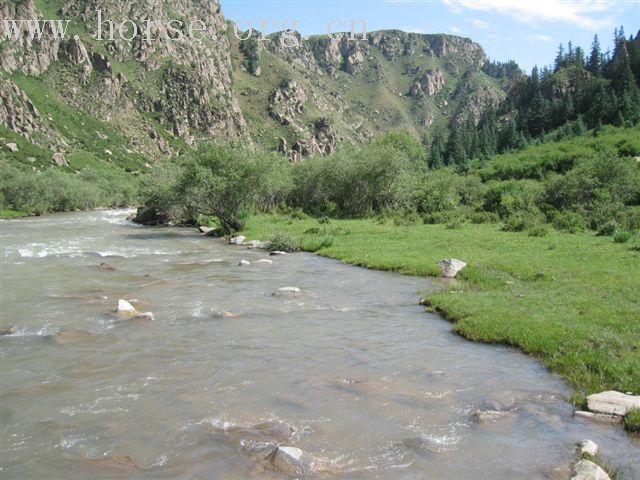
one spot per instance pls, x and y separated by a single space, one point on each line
351 369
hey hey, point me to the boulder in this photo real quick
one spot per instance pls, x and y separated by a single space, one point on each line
277 252
205 230
12 147
588 447
291 460
613 403
125 309
287 291
244 263
237 240
587 470
450 267
264 260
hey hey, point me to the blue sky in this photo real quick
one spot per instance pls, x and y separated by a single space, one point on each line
527 31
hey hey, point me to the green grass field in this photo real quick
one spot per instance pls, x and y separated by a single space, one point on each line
571 301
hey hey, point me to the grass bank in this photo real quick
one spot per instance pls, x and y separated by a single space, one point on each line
570 300
7 214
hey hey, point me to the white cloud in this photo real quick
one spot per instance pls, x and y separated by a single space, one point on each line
480 24
587 14
540 38
455 29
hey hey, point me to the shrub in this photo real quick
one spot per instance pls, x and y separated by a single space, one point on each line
521 221
632 421
539 230
621 236
568 221
284 243
222 182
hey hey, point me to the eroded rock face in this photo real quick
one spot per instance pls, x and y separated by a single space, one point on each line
286 102
429 84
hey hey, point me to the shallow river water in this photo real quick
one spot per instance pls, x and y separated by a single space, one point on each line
368 382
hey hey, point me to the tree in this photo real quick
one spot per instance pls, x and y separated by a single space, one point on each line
594 65
438 151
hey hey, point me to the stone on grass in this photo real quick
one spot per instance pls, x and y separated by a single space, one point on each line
450 267
613 403
587 470
12 147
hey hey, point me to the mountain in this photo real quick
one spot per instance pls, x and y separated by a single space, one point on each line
84 102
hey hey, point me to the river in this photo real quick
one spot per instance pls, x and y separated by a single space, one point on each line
367 381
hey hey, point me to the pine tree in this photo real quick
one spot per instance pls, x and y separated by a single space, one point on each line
594 65
438 150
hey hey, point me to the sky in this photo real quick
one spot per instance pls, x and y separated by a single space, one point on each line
527 31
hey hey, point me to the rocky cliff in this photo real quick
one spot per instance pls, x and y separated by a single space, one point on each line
130 103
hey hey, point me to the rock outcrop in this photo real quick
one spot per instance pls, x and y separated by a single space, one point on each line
613 403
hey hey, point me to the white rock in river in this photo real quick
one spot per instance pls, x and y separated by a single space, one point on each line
125 308
613 403
263 260
450 267
237 240
257 244
277 252
145 316
244 263
587 470
588 447
291 460
284 291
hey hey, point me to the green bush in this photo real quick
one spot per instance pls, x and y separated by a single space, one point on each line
621 236
284 243
568 221
222 182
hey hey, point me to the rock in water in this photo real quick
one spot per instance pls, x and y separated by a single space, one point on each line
237 240
291 460
287 291
8 331
125 309
450 267
277 252
106 266
148 316
613 403
588 447
587 470
264 260
66 336
244 263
